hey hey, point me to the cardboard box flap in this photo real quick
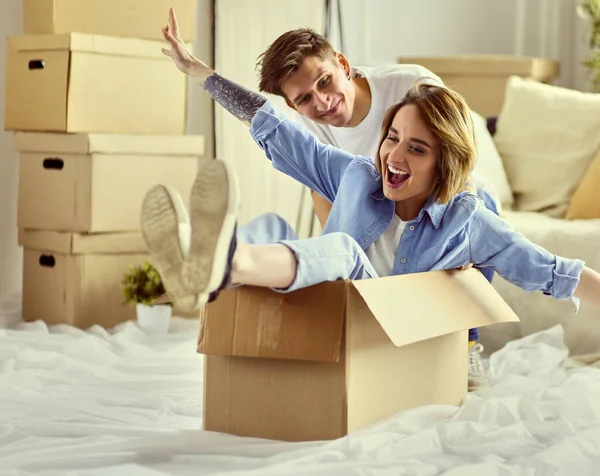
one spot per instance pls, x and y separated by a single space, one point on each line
249 321
73 243
109 45
116 144
414 307
487 65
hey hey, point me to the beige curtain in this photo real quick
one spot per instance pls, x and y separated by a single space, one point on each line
244 29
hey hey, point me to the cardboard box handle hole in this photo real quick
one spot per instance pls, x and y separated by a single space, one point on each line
47 261
53 163
37 64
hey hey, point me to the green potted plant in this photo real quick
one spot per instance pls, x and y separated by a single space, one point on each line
590 10
142 284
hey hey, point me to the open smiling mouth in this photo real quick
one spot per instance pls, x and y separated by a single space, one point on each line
396 178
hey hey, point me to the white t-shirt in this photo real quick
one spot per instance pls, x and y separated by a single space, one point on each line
388 84
382 253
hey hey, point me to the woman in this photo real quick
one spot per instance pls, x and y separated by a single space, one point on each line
402 213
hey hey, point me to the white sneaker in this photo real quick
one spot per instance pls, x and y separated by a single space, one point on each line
193 268
478 379
214 204
163 216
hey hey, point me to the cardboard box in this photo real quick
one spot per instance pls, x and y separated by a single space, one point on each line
76 279
482 79
91 83
327 360
96 182
126 18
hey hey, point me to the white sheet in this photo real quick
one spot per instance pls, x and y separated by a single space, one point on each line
123 403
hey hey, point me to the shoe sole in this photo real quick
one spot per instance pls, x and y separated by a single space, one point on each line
160 219
213 206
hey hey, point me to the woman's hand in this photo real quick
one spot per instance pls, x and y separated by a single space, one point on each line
183 59
588 288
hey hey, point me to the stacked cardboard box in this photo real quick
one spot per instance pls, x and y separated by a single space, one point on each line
99 115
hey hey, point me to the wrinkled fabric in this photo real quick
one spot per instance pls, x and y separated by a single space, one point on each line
120 402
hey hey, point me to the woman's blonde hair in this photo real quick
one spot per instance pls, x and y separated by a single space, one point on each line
448 117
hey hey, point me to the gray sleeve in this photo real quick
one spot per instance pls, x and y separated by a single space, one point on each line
238 100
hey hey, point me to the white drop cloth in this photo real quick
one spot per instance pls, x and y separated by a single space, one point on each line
123 403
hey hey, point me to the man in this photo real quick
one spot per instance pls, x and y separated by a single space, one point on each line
344 107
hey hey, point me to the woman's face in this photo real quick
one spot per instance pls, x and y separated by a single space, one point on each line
408 157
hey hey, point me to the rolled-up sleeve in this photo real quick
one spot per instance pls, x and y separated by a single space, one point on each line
566 277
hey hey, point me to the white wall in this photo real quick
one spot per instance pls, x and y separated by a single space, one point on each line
379 31
386 29
10 253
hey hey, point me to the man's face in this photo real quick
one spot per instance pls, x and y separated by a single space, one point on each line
321 91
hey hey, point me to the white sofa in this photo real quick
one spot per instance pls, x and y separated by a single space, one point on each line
545 138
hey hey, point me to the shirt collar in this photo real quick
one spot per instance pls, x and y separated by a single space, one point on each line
432 208
435 211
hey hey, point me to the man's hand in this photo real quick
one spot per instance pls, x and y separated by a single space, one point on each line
183 59
466 266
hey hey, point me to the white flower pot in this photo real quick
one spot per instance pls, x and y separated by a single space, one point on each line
154 319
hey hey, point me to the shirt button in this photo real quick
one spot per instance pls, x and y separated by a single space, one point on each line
411 227
403 261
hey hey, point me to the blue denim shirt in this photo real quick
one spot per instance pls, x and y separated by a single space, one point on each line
441 237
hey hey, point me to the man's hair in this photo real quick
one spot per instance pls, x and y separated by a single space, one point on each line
286 54
448 117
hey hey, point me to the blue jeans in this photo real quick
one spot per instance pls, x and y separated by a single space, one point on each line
324 258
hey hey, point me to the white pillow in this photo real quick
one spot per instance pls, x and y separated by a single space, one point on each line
547 137
489 172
